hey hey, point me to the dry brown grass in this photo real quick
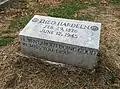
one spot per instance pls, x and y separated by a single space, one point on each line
110 36
18 71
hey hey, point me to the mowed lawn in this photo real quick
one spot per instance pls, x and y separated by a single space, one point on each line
18 71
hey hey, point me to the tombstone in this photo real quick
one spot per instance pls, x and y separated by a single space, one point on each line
62 40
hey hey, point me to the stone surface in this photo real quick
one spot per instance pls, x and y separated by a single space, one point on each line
62 40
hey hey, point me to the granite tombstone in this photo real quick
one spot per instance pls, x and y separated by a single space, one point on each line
62 40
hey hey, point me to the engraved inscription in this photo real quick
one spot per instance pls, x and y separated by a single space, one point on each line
55 47
62 28
63 23
60 31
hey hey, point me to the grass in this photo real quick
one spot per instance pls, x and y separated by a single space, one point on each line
15 25
7 31
86 17
115 87
19 22
5 41
66 10
111 77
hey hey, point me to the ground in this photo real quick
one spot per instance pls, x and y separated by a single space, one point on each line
18 71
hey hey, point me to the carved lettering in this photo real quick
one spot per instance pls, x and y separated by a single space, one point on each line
56 47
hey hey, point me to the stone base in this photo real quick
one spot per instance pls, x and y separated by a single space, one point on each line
59 52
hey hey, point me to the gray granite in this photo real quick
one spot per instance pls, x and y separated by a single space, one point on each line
62 40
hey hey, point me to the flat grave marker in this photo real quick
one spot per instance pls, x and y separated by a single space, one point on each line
62 40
